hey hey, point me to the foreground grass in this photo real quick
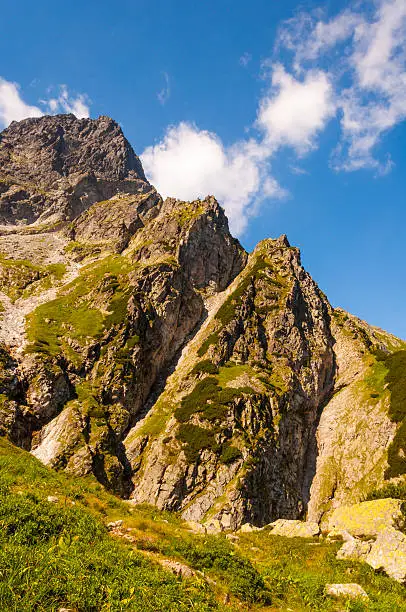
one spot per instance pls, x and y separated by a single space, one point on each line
56 555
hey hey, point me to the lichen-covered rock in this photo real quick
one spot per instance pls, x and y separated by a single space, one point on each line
349 591
339 535
388 553
294 529
369 518
354 550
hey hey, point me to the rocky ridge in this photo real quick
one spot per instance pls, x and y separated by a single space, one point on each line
142 344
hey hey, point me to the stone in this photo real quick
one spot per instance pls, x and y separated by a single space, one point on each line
179 569
349 591
354 550
388 553
294 529
114 525
232 537
213 526
195 527
368 518
339 535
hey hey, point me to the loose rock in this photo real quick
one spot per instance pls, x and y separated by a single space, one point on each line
294 529
350 590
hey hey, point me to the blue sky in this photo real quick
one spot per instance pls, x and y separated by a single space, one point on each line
292 114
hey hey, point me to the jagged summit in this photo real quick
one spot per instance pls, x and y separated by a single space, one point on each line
54 167
46 148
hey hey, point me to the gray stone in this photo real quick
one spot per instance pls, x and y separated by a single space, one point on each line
388 553
349 591
294 529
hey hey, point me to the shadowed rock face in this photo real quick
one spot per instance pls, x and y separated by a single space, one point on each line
139 342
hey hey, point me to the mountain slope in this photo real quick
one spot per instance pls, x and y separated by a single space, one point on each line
141 344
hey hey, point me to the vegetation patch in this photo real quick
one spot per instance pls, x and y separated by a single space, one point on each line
212 339
73 315
205 367
209 400
229 454
81 250
395 379
19 277
195 439
59 555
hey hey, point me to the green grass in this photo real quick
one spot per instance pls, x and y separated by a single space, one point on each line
20 277
73 314
296 571
61 555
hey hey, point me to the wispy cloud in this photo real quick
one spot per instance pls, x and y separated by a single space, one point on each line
366 55
14 108
245 59
164 95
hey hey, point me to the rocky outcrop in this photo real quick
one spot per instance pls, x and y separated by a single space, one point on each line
142 344
53 168
246 402
386 553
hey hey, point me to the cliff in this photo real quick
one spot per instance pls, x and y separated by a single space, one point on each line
142 344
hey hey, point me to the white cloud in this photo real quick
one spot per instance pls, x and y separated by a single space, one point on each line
65 103
14 108
296 110
190 163
365 52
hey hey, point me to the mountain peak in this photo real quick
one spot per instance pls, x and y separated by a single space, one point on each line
52 146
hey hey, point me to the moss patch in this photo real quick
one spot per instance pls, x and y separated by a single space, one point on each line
395 378
74 315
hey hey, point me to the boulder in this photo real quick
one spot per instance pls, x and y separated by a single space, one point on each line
354 550
350 590
368 518
195 527
339 535
294 529
179 569
388 553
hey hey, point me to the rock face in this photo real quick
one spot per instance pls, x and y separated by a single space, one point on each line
139 342
54 167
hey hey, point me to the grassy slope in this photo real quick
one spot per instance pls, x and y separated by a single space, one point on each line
61 555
